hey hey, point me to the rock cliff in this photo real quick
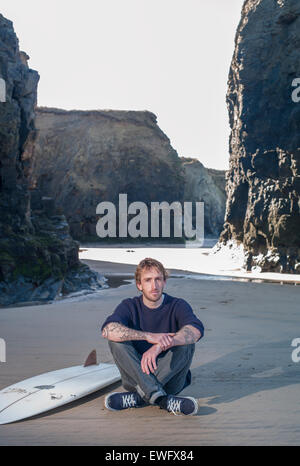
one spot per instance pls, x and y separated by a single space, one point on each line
263 182
38 258
207 185
82 158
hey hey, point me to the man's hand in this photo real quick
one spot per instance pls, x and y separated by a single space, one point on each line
187 335
164 340
148 362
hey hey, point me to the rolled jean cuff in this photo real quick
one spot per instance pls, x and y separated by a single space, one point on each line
156 395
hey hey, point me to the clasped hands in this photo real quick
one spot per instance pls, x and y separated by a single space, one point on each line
161 342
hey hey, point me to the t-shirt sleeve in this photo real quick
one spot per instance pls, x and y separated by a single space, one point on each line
121 314
186 316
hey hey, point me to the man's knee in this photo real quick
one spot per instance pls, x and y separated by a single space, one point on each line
116 346
176 359
122 350
186 351
184 348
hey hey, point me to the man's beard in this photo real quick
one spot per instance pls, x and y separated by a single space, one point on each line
153 298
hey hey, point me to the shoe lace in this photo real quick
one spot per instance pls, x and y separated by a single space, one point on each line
174 406
129 401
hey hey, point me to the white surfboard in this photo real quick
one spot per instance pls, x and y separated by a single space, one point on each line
53 389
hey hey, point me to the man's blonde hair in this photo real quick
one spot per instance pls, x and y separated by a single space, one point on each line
148 263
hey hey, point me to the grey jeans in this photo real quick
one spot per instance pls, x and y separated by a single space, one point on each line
169 377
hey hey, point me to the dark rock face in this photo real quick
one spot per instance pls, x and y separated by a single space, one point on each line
38 258
263 183
82 158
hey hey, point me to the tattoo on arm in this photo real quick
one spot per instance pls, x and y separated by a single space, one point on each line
117 332
190 334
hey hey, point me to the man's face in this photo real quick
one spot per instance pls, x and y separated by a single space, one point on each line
152 284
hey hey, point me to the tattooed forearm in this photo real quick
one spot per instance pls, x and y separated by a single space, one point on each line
118 332
187 335
190 334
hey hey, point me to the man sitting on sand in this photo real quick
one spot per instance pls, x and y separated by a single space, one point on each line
152 339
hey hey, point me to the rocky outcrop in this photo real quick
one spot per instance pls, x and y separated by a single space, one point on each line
219 178
207 185
38 258
263 183
82 158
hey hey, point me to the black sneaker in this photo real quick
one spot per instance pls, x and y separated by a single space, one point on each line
182 405
123 400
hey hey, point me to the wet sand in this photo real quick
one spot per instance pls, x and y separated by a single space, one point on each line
243 373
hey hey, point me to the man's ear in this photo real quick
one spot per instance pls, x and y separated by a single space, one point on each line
139 286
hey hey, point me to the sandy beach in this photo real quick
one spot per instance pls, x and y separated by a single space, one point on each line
150 129
243 373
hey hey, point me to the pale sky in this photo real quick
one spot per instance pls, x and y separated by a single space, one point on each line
170 57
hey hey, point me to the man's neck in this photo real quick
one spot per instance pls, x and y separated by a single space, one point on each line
151 304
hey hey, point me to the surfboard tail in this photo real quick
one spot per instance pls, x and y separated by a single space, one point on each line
91 360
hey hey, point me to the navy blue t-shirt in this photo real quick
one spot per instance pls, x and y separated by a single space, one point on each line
170 316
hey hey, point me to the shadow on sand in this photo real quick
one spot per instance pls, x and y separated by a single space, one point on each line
241 373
